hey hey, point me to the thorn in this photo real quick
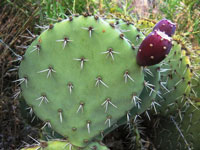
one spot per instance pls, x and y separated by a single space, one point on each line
48 124
80 107
136 100
153 104
42 27
22 47
148 71
88 126
128 116
60 115
98 81
34 140
106 103
17 93
149 86
148 115
33 119
162 84
65 41
70 86
70 146
135 119
49 70
19 58
42 98
190 101
172 118
110 52
90 29
30 110
22 80
82 60
36 48
127 76
164 70
14 69
108 121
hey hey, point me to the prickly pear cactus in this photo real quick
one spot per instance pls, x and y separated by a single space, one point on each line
79 76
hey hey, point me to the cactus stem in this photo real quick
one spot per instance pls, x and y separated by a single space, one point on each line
110 52
37 47
49 70
80 107
153 105
82 60
60 115
136 100
108 121
98 81
65 41
22 80
127 76
47 123
106 103
88 126
70 86
90 29
42 98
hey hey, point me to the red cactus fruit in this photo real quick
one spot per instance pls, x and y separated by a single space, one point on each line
166 26
154 48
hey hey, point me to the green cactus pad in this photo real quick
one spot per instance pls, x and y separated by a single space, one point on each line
175 84
177 133
131 32
78 76
64 145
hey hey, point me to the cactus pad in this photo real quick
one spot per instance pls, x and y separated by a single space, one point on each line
79 76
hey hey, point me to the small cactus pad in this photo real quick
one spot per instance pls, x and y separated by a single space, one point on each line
79 75
179 133
165 26
64 145
154 48
175 83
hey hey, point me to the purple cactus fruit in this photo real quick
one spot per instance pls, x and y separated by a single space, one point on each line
154 48
166 26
